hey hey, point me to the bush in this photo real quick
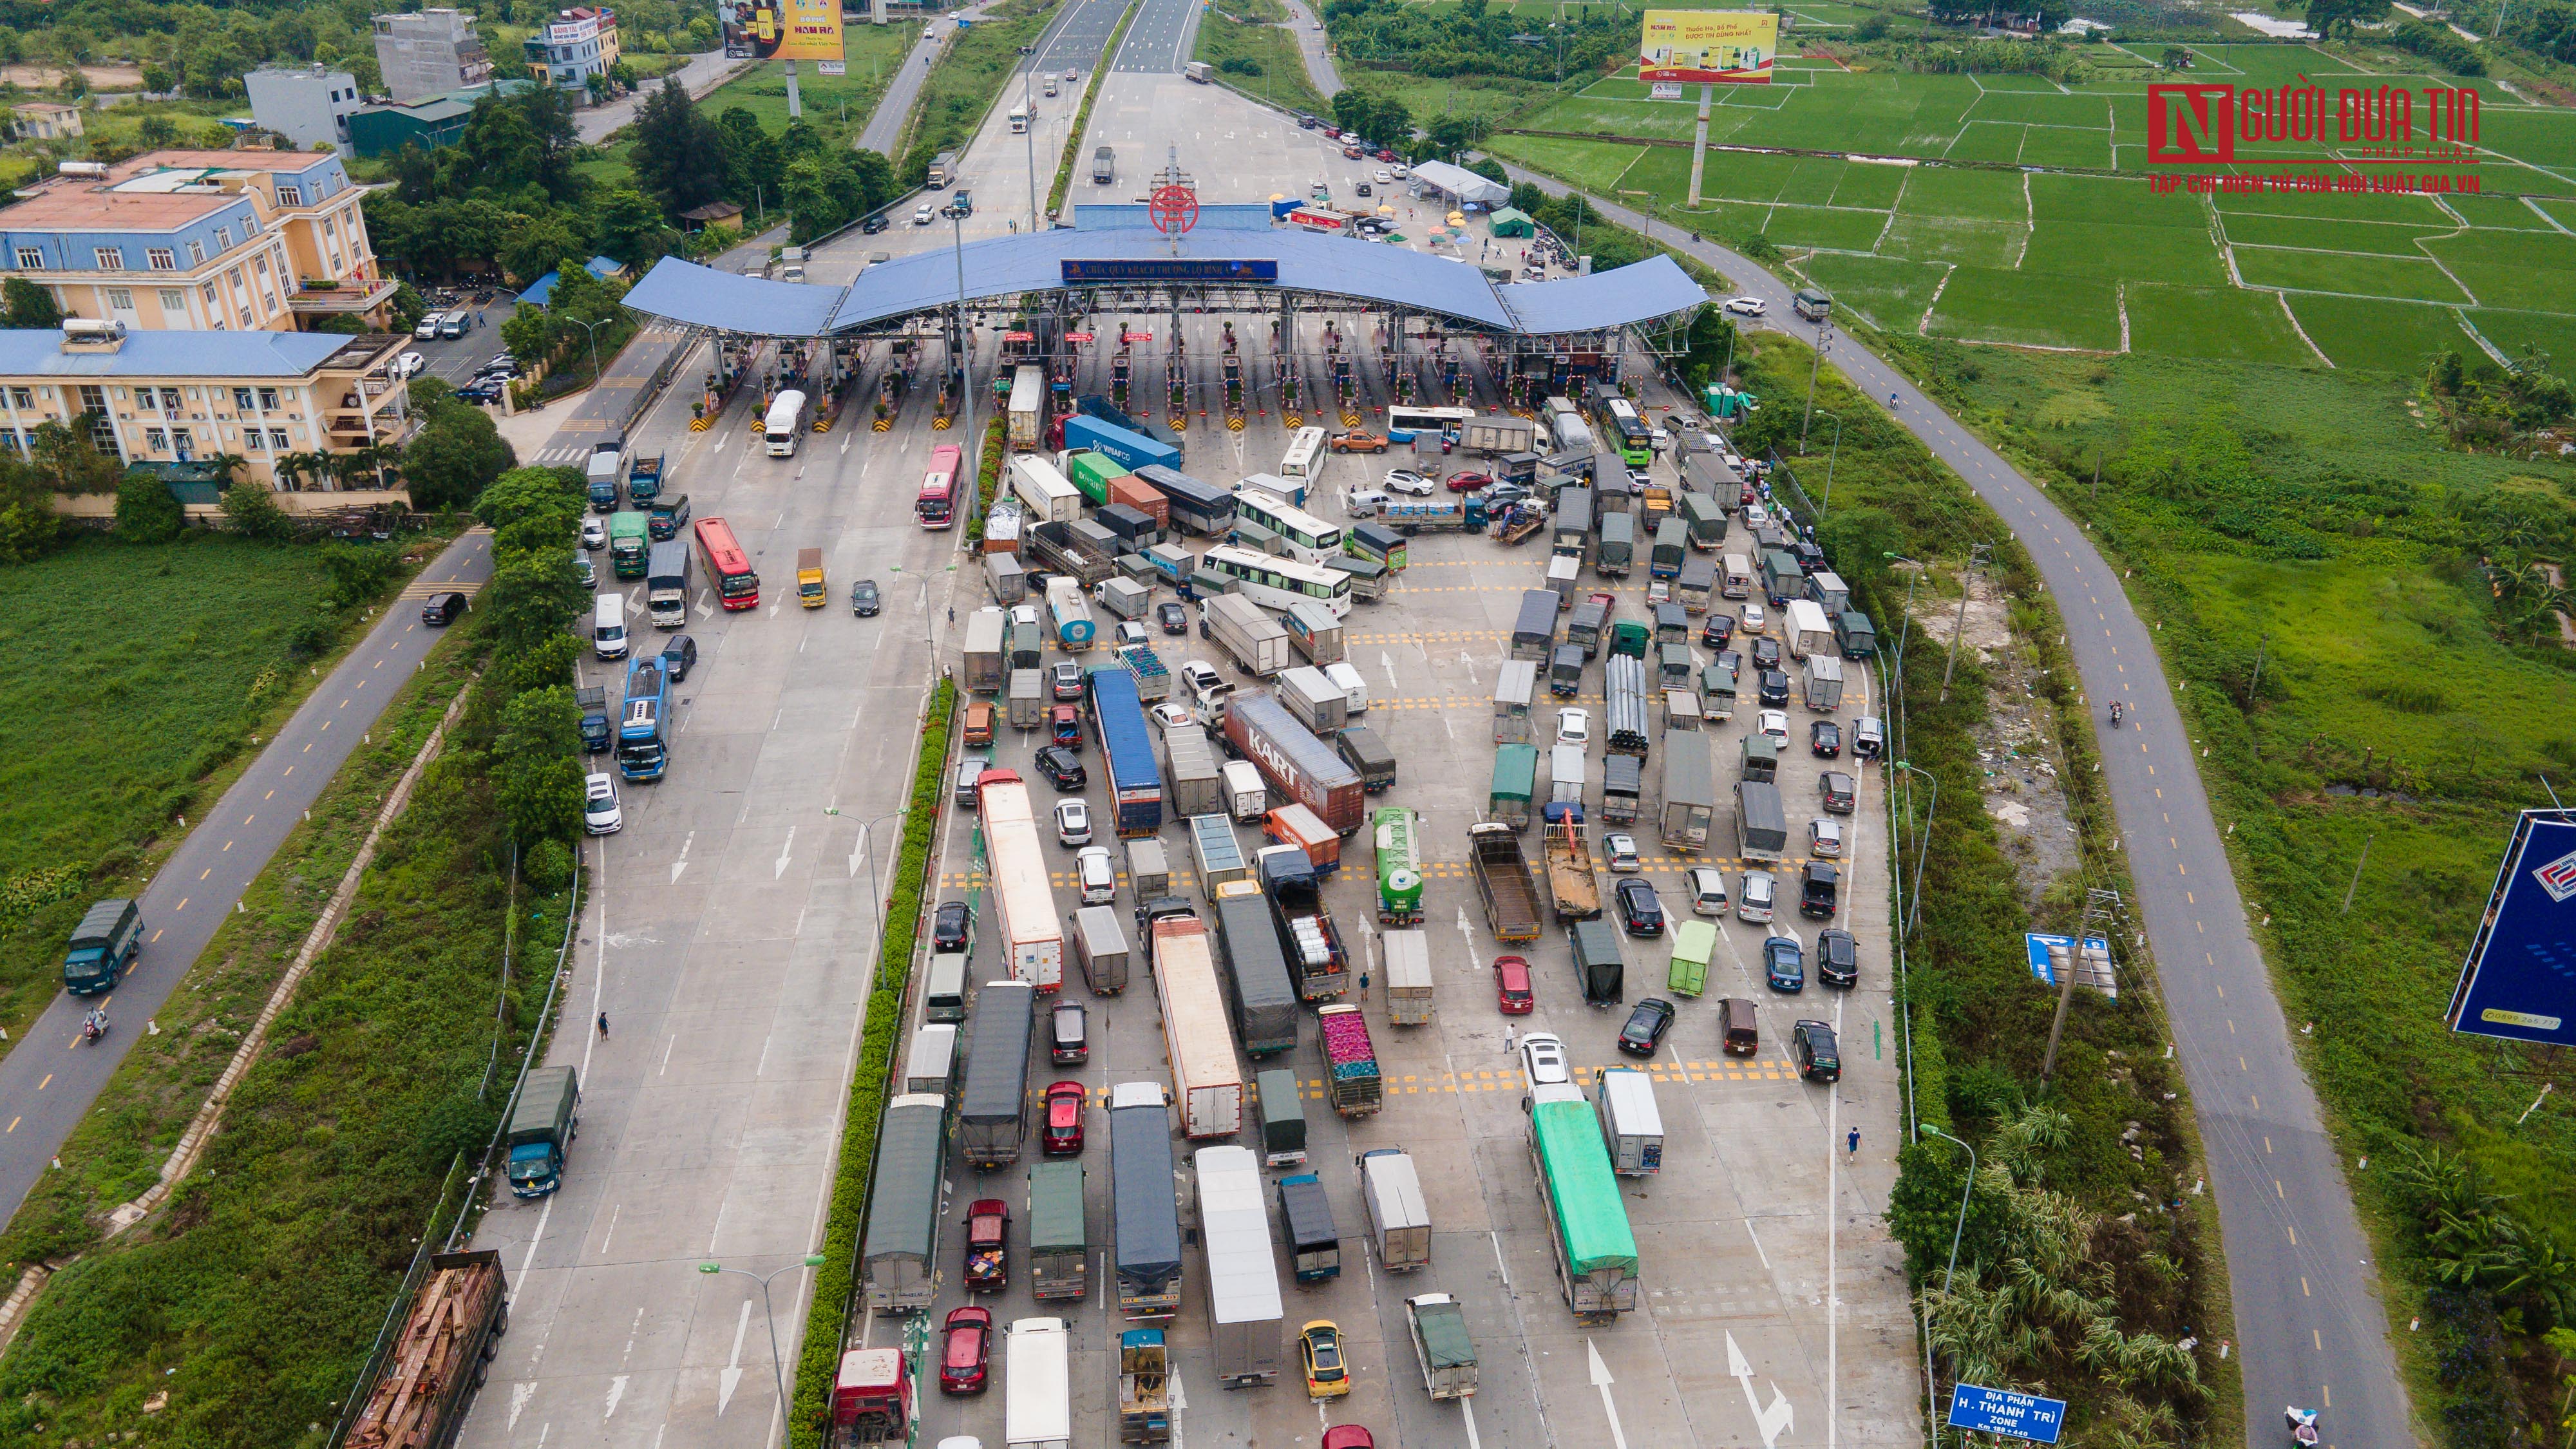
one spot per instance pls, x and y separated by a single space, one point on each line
146 511
359 573
251 511
548 866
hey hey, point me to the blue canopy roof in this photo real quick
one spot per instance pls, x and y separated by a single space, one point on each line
1308 262
544 287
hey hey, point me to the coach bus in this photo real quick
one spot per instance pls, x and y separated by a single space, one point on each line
1304 463
937 505
1623 429
1439 422
727 566
1265 520
1275 583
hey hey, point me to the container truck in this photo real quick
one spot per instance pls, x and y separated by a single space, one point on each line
1032 937
450 1333
1101 948
1587 1223
1824 691
1265 994
1294 824
1219 855
1689 795
103 946
1283 1117
1089 471
1130 450
626 544
1037 1385
1144 1382
1196 783
1315 633
1408 978
1503 883
1247 1331
1045 494
1570 878
1028 399
1129 491
1761 827
1307 935
644 478
1118 718
1204 1075
1314 1242
1059 1246
1631 1129
1534 627
666 583
1809 631
1149 870
1145 1202
1298 766
1399 1216
993 1104
899 1261
986 668
1442 1345
1312 699
544 1119
1257 642
1070 614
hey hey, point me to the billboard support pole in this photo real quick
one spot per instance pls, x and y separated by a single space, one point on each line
1699 143
795 102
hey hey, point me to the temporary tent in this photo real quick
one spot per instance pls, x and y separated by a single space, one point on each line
1512 221
1462 183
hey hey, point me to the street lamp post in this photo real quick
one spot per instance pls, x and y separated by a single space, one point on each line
1029 99
867 840
593 329
1922 843
1931 1389
769 1320
1960 628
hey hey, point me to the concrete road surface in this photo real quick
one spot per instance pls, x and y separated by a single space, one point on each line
1159 40
2310 1325
48 1080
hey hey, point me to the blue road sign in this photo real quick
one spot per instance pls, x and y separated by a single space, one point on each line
2000 1411
2520 978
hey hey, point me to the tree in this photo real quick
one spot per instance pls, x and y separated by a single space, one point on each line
157 78
70 461
251 511
146 510
679 155
454 458
28 305
524 493
29 526
359 574
632 230
2333 17
752 158
529 598
537 755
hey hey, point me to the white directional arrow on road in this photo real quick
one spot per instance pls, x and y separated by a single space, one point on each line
1467 930
1470 661
1601 1380
784 847
731 1378
682 863
1773 1421
1388 662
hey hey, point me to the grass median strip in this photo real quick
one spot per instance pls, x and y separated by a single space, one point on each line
967 81
1082 117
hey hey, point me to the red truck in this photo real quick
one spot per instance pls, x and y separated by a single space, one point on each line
1293 762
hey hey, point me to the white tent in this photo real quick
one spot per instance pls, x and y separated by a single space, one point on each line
1462 183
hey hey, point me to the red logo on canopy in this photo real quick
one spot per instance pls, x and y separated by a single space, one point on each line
1175 209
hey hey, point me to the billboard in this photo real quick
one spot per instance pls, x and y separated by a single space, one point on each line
1700 47
1084 272
2520 979
780 29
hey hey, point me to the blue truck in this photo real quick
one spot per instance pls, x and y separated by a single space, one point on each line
596 734
642 753
1130 450
644 479
1118 717
103 947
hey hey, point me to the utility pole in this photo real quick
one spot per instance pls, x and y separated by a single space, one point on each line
2098 905
1824 344
1960 628
2254 690
1828 505
2356 873
1029 94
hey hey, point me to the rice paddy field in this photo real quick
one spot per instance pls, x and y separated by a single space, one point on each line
2015 210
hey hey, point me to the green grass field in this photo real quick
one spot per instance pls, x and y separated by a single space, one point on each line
1282 78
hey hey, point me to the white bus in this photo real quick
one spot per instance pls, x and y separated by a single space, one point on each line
785 425
1269 522
1304 464
1401 418
1275 583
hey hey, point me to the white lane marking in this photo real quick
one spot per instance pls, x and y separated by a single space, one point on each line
730 1377
1601 1380
682 863
616 1391
784 847
1771 1422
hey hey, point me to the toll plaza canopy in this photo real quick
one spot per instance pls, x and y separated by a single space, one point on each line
1329 267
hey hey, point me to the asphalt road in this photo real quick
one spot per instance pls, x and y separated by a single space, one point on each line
1159 40
2311 1328
1315 47
885 124
49 1080
703 73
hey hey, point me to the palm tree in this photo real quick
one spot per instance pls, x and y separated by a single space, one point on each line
291 466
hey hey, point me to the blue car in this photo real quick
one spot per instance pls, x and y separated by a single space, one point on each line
1783 964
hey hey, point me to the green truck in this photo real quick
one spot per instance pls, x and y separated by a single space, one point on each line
627 543
543 1122
103 947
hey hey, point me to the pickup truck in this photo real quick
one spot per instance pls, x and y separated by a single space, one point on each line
592 701
1503 882
1569 865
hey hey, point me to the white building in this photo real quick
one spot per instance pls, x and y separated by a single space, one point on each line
307 104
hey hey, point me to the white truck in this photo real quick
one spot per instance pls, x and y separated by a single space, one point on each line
1631 1127
784 428
1408 978
1399 1216
1258 642
1037 1384
1247 798
1247 1325
1808 629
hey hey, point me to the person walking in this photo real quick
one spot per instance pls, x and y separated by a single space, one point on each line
1852 1143
603 1026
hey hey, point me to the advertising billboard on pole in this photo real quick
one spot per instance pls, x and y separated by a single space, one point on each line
780 29
2520 979
1705 47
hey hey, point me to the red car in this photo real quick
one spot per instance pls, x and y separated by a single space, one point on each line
967 1352
1469 482
1348 1436
1384 154
1063 1134
988 1245
1065 725
1512 986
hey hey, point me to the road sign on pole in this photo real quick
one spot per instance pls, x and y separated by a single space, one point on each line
2520 979
2001 1411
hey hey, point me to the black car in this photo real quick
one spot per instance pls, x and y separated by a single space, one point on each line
1766 652
442 609
1068 681
1063 767
1173 618
1835 790
679 656
1719 629
864 599
1819 1058
1639 911
874 224
1733 661
1646 1027
1068 1034
1811 559
1825 738
1783 964
1306 122
483 391
1775 689
1365 189
1837 958
1818 883
948 927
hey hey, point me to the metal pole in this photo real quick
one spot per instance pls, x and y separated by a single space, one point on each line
777 1362
2356 873
1828 505
1960 628
1824 344
2254 690
1922 842
1029 98
1960 1228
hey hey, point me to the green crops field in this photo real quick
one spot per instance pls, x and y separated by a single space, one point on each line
1993 209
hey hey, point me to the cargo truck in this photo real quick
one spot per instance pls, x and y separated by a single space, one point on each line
872 1396
544 1119
1145 1203
666 583
986 668
1245 794
1361 749
1308 939
1598 963
1617 552
1204 1075
1312 699
1283 1117
1570 879
1442 1345
1247 1331
1265 994
899 1261
601 471
1570 534
1670 547
1587 1223
1196 783
1408 978
1118 718
1027 408
1064 548
1314 1243
1689 795
1032 935
1196 506
1298 766
1125 598
993 1104
1219 855
1353 1082
597 733
626 544
1503 883
1412 516
664 519
1808 629
1101 948
1059 1248
1153 677
1623 785
1761 827
1631 1129
1257 642
103 946
1628 726
1104 167
644 479
1498 433
1824 691
1534 626
1144 1382
1854 636
1399 1215
450 1334
1037 1385
1315 633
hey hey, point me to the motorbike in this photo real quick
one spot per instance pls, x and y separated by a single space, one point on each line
93 1026
2303 1427
2115 716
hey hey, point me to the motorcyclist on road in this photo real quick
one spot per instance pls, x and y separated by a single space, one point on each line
94 1025
2303 1426
2116 712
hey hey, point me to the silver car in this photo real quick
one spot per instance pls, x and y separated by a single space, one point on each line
1753 903
1543 1060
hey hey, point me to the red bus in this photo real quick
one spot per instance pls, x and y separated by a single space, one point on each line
937 505
727 566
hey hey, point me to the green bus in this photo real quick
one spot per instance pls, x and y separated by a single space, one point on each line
627 542
1623 428
1394 829
1587 1224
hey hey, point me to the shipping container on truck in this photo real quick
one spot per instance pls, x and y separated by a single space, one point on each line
1313 699
1631 1129
1689 794
1129 491
1197 786
993 1103
1247 1331
1761 826
1315 632
1118 718
1218 855
986 669
1197 506
1294 824
1395 835
1037 1385
1101 947
1204 1075
1090 470
1045 495
1027 406
1298 766
1132 451
899 1260
1308 938
1257 642
1016 859
450 1332
1399 1216
1314 1242
1145 1203
1503 883
1265 994
1595 1250
1408 978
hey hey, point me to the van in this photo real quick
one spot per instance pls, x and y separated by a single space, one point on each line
969 770
979 722
931 1066
943 991
608 626
1738 1033
1347 678
455 324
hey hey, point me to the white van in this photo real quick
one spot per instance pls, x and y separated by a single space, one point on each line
1347 678
608 626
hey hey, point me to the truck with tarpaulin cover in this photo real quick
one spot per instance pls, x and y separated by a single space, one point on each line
1195 505
627 542
1442 1345
899 1260
993 1104
1314 1242
1145 1203
1587 1224
666 583
544 1119
1265 995
1118 717
103 946
1059 1247
1395 831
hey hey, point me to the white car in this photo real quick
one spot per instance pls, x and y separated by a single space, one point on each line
408 364
599 813
1170 717
1746 306
1825 838
1072 823
1574 726
1385 175
1620 849
922 214
1131 632
1753 903
1402 172
1098 878
1775 723
1543 1060
1405 480
1754 618
594 534
1071 74
1707 887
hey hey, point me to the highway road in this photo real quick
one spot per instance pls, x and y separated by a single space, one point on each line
703 73
49 1079
1315 47
1159 39
2310 1326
